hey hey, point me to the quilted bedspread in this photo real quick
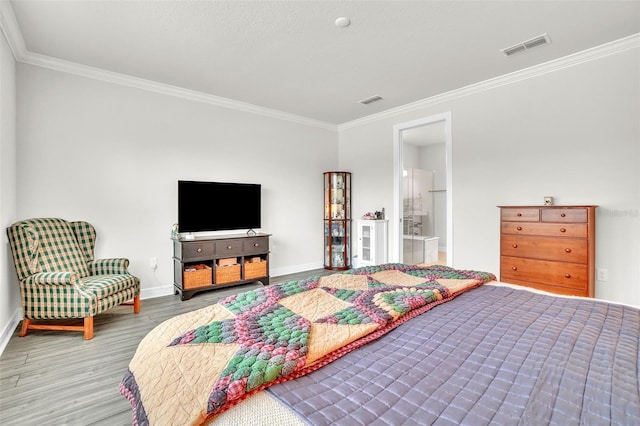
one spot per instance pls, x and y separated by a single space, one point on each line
530 359
196 365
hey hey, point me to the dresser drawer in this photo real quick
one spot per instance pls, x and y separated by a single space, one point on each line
578 230
196 250
565 215
561 249
568 275
225 248
524 214
256 245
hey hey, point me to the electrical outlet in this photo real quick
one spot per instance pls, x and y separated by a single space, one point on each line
153 262
602 274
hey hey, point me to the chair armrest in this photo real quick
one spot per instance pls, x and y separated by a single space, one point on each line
109 266
52 278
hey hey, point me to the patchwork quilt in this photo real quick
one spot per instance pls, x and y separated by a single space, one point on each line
194 366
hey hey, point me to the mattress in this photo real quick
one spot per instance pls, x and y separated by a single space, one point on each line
497 354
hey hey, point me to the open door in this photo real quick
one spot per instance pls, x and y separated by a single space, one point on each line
422 225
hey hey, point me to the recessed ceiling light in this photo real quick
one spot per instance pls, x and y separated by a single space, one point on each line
343 22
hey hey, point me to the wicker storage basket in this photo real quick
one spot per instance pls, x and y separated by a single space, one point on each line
227 274
255 269
199 278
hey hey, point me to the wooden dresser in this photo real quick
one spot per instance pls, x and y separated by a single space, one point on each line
550 248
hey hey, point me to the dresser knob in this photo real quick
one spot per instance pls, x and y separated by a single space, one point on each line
567 275
515 268
563 230
228 247
514 245
256 245
562 215
567 250
199 250
519 228
518 214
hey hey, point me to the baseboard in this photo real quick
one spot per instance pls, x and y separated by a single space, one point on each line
9 329
150 293
276 272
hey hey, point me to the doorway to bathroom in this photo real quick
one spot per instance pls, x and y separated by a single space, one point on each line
422 191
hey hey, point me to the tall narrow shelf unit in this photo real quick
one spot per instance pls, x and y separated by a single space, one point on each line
337 220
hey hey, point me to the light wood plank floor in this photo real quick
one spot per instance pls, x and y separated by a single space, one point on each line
58 378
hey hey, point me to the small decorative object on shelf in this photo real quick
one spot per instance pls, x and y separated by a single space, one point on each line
337 220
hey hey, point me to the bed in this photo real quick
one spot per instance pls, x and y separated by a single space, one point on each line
404 344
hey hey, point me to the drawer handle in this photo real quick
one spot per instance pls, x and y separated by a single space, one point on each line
567 275
563 230
256 245
567 250
515 268
199 250
519 228
228 247
514 245
518 214
562 215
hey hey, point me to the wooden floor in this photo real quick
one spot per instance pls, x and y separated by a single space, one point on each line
58 378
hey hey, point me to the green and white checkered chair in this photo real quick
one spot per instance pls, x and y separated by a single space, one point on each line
59 278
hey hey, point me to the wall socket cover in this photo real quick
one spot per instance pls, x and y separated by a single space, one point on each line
548 201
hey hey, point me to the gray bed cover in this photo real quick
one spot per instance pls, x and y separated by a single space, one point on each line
494 355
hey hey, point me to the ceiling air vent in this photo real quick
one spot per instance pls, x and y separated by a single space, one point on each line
370 99
526 45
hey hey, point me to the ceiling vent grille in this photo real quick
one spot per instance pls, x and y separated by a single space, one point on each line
370 99
540 40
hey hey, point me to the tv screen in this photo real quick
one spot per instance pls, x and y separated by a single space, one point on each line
218 206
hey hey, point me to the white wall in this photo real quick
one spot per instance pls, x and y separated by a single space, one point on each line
9 295
572 134
112 155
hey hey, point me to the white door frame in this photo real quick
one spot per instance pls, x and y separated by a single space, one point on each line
396 226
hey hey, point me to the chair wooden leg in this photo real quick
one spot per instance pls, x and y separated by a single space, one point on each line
25 327
136 304
88 328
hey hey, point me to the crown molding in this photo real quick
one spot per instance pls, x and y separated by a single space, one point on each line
15 40
166 89
607 49
11 30
12 33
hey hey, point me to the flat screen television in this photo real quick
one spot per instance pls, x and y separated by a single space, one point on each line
218 206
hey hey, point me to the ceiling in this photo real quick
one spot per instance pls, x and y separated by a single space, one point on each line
290 57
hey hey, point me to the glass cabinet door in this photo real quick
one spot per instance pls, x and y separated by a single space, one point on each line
366 242
337 220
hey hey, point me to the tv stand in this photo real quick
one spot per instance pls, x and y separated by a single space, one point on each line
205 263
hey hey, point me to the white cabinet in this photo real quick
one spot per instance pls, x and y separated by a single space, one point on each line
372 242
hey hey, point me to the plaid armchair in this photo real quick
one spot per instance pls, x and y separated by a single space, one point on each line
59 278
